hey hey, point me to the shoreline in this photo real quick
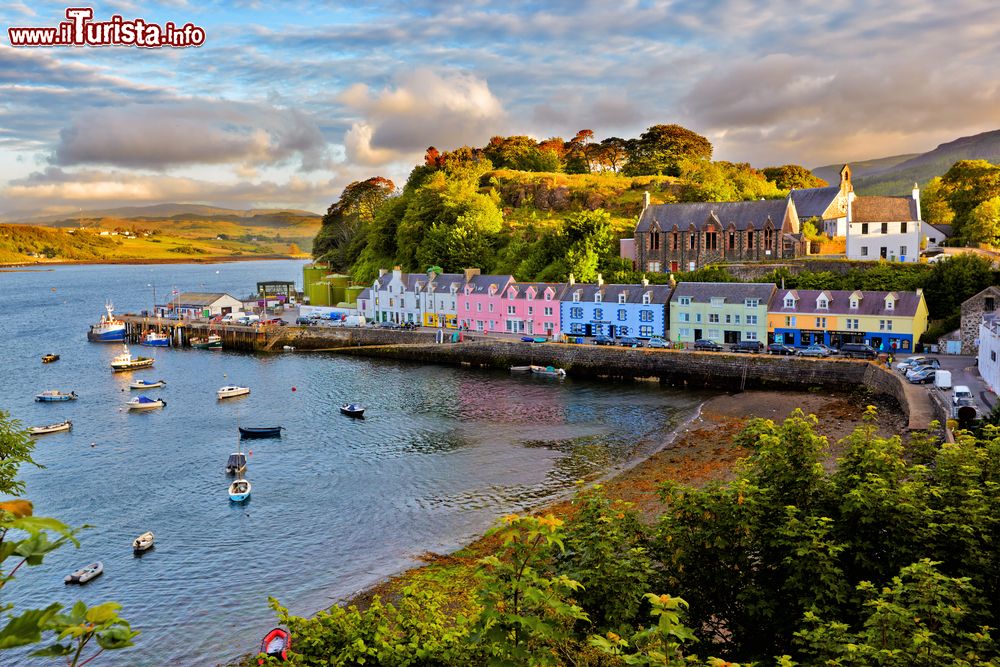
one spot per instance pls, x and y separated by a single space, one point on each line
215 259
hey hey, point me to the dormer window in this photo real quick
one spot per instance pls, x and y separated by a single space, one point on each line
597 297
548 296
576 297
789 302
822 304
889 303
854 304
645 299
621 298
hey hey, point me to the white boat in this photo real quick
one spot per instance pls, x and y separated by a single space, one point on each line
85 573
520 369
146 403
109 330
231 391
146 384
548 371
143 543
126 362
51 428
239 490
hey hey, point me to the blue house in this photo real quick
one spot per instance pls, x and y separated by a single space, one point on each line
639 311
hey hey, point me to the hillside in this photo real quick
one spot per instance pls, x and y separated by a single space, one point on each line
155 212
859 168
895 176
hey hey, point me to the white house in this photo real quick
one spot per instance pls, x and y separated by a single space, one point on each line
439 299
395 297
884 227
989 351
203 304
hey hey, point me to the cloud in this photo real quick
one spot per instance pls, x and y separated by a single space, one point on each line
159 136
424 108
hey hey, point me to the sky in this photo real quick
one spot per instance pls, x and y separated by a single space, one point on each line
285 103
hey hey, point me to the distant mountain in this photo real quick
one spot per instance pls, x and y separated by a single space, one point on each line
167 211
896 175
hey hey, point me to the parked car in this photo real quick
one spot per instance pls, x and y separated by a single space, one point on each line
780 348
304 320
813 351
628 341
911 362
658 342
830 350
705 344
858 351
919 369
749 346
275 321
603 340
921 375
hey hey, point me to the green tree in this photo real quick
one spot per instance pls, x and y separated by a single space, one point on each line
966 185
983 223
349 217
662 149
934 207
791 176
589 239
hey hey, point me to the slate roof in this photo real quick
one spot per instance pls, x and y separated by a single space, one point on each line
443 282
481 284
200 298
744 214
522 290
731 292
366 293
609 293
813 202
872 208
871 303
945 230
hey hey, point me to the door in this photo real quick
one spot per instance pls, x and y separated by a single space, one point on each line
697 334
588 330
884 252
731 336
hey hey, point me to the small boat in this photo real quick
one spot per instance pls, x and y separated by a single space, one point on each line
540 339
548 371
143 543
51 428
49 358
54 396
146 403
85 573
520 369
239 490
156 339
275 644
146 384
126 362
288 348
237 463
109 329
212 342
232 391
352 410
260 432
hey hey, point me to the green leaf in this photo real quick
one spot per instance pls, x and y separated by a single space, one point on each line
27 627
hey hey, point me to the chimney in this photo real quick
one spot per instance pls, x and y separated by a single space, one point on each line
469 273
673 281
645 200
572 280
397 272
600 280
382 272
916 198
645 281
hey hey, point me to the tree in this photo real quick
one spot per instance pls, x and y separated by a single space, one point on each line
612 153
662 149
589 239
954 280
966 185
349 217
791 176
934 207
983 223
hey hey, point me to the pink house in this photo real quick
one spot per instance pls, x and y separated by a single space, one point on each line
532 308
480 303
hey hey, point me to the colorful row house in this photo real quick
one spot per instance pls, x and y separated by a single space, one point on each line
720 312
615 310
533 308
888 321
479 305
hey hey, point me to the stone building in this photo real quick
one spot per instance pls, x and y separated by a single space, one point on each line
827 204
973 310
684 237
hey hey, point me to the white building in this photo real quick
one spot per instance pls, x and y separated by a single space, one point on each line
884 228
439 299
989 351
202 304
395 297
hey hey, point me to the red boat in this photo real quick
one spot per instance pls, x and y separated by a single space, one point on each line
275 644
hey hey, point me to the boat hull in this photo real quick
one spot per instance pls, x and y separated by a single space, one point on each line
156 341
239 497
85 574
269 432
357 413
54 399
133 365
231 394
114 334
150 385
52 428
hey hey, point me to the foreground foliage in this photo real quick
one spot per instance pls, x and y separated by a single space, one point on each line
889 559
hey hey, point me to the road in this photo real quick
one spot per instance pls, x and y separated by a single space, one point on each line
964 372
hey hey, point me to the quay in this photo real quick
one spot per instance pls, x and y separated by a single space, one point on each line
708 370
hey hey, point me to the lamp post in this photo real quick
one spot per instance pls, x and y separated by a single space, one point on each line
154 297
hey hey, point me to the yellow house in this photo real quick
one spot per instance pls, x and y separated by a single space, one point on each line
888 321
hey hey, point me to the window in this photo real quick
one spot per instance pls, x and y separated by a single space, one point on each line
576 313
820 322
376 301
621 298
989 304
718 302
511 310
732 240
713 334
479 307
691 241
902 229
768 238
729 318
622 314
576 297
789 302
684 333
890 304
684 301
790 321
993 355
684 317
654 267
490 307
597 297
822 304
749 335
647 315
749 238
548 310
864 227
391 302
531 310
885 325
645 331
885 227
491 325
697 317
598 314
713 318
468 306
550 327
645 299
623 330
864 251
673 244
654 241
752 320
737 320
712 241
854 304
902 251
548 296
751 303
576 328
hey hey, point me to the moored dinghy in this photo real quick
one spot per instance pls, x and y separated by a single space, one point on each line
239 490
260 431
49 358
54 396
276 644
237 463
232 391
147 384
520 369
146 403
143 543
353 410
85 573
548 371
51 428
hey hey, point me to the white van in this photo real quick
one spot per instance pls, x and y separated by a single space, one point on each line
961 393
229 318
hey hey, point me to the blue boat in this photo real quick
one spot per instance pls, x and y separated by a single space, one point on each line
156 339
239 490
109 329
53 396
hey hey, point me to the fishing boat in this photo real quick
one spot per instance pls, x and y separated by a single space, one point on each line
232 391
85 573
212 342
237 463
54 396
143 543
49 358
146 384
146 403
126 362
239 490
275 644
51 428
109 329
260 431
520 369
548 371
156 339
352 410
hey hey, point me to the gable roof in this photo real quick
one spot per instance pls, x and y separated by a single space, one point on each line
945 230
522 290
731 292
609 293
871 303
878 208
366 293
481 284
813 202
743 214
444 281
200 298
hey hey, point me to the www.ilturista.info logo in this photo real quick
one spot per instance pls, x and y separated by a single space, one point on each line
81 30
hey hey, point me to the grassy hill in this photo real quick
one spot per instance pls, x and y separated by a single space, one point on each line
896 175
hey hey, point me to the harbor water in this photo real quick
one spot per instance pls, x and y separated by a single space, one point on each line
338 504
